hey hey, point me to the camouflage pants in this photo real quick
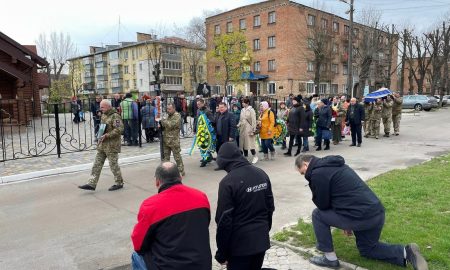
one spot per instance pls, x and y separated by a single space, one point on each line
387 124
375 127
100 158
367 127
176 150
396 121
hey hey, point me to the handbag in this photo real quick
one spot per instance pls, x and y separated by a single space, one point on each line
326 134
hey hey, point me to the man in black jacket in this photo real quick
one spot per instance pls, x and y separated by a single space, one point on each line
323 124
225 126
354 118
172 230
344 201
244 211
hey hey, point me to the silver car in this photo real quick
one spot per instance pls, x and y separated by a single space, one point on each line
419 102
444 100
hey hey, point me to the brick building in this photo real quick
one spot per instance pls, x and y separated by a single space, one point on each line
20 82
278 35
410 86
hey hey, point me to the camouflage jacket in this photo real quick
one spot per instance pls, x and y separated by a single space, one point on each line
397 106
387 108
368 107
113 131
377 111
171 128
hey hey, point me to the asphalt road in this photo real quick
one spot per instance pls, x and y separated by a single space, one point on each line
49 223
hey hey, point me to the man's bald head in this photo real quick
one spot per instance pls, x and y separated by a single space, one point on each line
353 101
105 105
167 173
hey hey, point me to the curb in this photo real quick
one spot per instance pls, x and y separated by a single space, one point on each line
344 265
23 177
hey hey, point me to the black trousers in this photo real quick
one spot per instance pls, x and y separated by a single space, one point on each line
298 139
355 129
367 233
252 262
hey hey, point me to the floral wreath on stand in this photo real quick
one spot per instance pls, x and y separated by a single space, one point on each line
280 131
205 138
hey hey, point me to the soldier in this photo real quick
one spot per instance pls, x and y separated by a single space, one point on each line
109 143
375 118
171 137
368 106
387 115
397 112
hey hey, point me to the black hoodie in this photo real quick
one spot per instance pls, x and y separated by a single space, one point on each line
244 208
335 186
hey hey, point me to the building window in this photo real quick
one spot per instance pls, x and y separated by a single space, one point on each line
345 68
271 88
125 69
324 23
257 66
173 80
344 89
140 66
335 48
256 44
323 68
242 24
216 89
229 27
217 29
113 55
257 21
346 29
272 65
311 20
171 65
310 43
310 88
336 27
356 32
172 50
217 69
141 82
323 88
125 55
310 66
229 90
271 42
334 89
127 84
272 17
334 68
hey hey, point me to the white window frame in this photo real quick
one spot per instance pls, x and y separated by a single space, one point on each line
257 21
335 27
335 68
271 41
257 66
344 88
272 17
334 88
310 66
274 90
310 87
217 29
323 87
256 44
271 65
230 89
311 20
229 27
242 24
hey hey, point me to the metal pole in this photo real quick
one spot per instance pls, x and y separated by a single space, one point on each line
350 53
58 138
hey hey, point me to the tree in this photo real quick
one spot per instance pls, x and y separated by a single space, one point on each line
56 48
229 49
435 50
193 59
195 31
419 59
153 52
404 40
76 70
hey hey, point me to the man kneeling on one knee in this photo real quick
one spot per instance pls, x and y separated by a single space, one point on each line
344 201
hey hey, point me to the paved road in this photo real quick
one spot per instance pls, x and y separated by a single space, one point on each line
50 224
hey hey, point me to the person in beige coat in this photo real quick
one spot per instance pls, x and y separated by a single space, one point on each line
247 128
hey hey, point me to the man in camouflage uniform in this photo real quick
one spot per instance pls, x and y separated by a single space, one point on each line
368 107
171 137
387 115
397 112
375 119
108 147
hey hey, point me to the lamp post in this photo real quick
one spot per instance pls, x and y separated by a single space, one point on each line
350 48
246 60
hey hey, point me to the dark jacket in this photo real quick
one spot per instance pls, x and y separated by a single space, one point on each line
324 117
116 103
295 119
355 114
208 114
335 186
172 229
306 125
226 126
148 113
244 207
95 110
194 107
212 104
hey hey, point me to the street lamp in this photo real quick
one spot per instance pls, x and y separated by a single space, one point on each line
350 48
246 60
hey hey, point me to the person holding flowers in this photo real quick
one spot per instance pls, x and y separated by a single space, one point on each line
205 138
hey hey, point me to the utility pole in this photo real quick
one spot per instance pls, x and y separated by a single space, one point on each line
350 52
402 69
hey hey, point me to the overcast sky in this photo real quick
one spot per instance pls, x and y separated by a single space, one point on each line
96 22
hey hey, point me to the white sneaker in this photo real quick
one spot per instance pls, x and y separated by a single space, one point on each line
255 159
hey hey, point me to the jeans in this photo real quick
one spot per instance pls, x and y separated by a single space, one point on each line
305 142
298 139
130 130
356 133
367 233
251 262
137 262
319 136
267 144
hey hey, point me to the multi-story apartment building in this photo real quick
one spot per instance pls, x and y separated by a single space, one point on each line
278 33
410 85
130 66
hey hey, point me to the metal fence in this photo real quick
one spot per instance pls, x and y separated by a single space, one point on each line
31 129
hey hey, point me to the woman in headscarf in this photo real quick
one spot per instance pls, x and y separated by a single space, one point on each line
267 119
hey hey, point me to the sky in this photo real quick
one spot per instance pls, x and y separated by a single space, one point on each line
96 22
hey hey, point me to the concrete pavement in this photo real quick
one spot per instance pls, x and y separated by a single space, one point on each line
50 224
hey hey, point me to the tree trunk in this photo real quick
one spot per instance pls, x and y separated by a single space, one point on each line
317 78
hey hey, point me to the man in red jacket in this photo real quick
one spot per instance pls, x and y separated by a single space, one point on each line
172 230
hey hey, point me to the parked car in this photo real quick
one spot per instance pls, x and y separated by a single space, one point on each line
419 102
444 100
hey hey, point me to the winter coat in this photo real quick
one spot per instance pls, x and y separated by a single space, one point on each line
355 114
148 113
172 229
335 186
237 116
113 131
247 127
244 207
338 113
95 110
267 124
306 125
295 117
129 109
397 106
324 117
225 126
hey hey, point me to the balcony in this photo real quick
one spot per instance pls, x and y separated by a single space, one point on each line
88 61
88 86
89 80
101 64
102 77
116 69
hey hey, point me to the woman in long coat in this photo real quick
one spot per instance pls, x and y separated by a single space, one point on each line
295 118
148 120
247 128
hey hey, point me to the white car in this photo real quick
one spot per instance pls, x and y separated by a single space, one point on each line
444 100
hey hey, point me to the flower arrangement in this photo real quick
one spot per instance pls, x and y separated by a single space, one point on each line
205 139
280 131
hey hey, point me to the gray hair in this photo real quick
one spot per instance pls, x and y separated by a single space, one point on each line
302 159
167 173
107 102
